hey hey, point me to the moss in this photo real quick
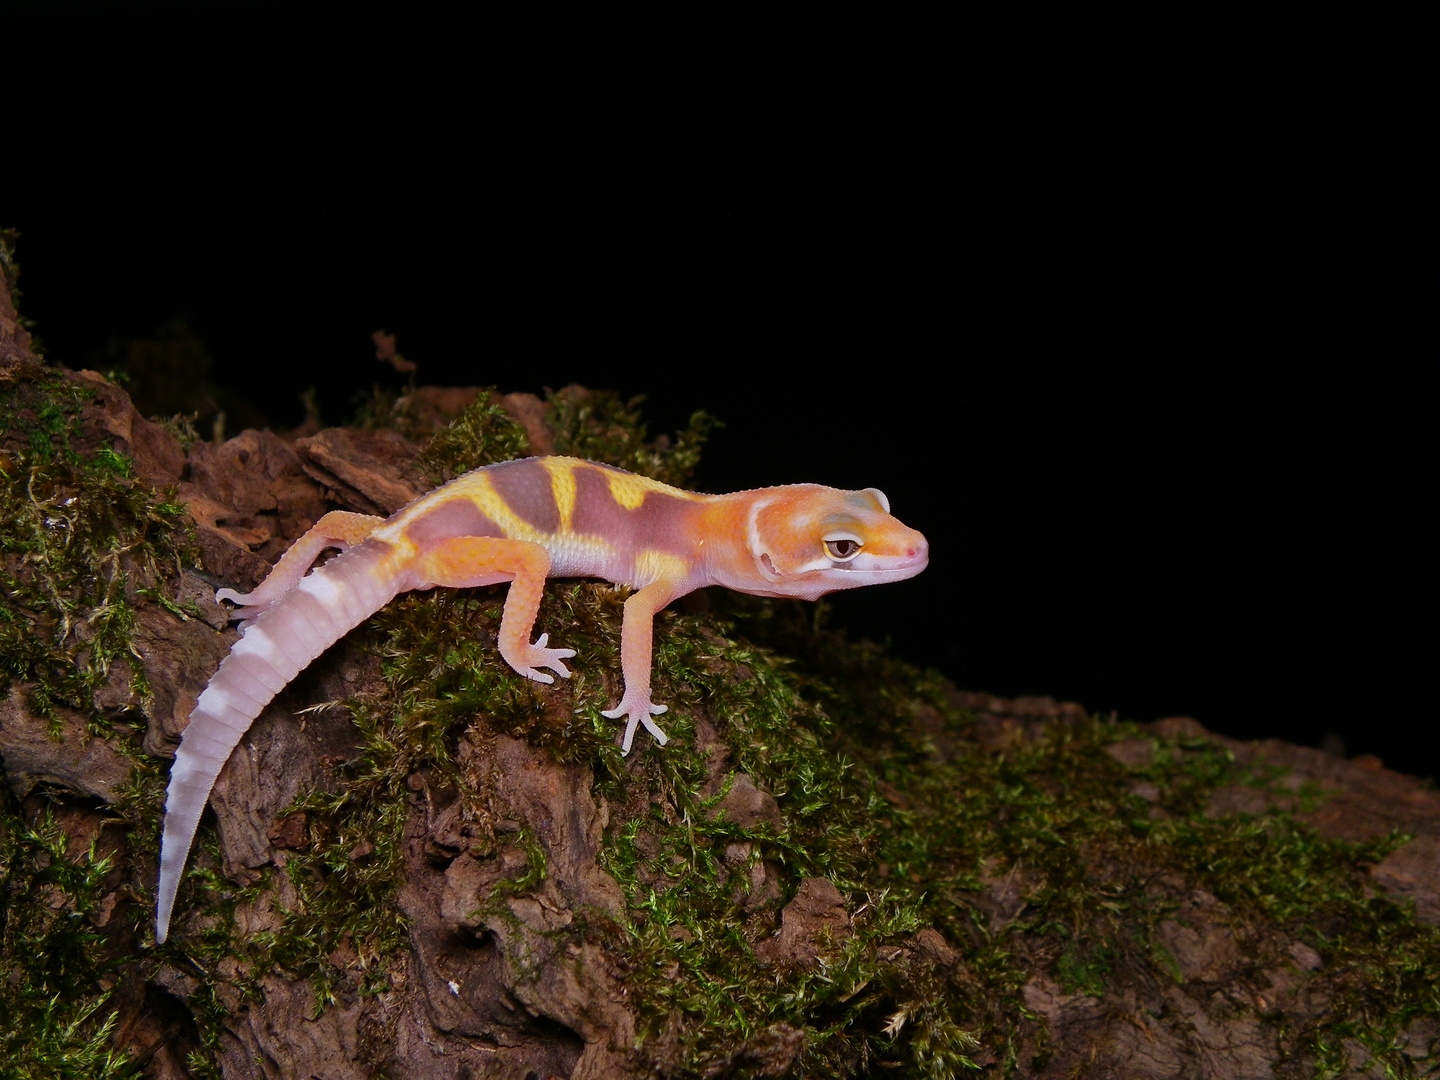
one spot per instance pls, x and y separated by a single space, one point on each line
80 535
55 994
81 542
440 662
593 424
878 788
908 821
598 425
482 434
1057 810
693 957
1381 965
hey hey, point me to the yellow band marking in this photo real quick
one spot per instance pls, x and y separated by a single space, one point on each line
477 488
562 483
628 491
659 566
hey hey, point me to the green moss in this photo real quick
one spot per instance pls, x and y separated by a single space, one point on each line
693 960
878 790
482 434
440 661
55 1015
1381 965
599 426
80 542
78 537
591 424
1085 967
827 739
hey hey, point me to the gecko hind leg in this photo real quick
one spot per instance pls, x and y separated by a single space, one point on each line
339 529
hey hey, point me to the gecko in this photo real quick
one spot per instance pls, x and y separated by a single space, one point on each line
522 522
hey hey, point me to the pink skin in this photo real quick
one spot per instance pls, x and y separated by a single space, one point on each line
522 522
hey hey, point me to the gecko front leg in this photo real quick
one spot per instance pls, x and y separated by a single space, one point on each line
468 561
636 642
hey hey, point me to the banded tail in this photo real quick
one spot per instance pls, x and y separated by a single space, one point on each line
275 647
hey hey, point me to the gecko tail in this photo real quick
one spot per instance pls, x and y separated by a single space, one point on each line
275 647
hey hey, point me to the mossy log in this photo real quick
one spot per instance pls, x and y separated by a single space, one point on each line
419 865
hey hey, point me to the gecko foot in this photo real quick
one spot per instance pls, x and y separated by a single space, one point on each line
538 656
247 607
637 707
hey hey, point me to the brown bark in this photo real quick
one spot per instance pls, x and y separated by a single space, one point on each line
528 983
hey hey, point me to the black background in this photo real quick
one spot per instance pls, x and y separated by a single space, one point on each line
1114 312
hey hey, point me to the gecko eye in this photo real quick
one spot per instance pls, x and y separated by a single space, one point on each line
842 548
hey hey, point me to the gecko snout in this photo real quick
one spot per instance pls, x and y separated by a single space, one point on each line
916 551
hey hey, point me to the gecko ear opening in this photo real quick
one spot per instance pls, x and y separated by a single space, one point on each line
879 497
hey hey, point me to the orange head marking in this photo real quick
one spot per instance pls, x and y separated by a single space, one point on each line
808 540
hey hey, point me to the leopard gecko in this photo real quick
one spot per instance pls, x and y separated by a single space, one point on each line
523 521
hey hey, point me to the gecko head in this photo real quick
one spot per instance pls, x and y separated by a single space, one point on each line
806 541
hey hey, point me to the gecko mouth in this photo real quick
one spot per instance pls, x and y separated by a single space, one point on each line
897 571
914 560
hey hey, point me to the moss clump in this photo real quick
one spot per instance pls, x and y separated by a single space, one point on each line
913 835
592 424
878 791
444 673
1382 966
482 434
694 966
80 542
598 425
878 787
55 1015
80 536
